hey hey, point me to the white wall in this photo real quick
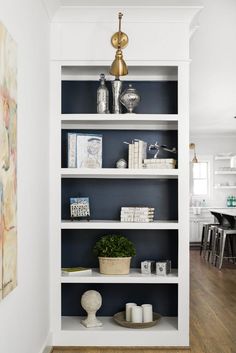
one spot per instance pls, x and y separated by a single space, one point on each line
24 314
213 69
211 145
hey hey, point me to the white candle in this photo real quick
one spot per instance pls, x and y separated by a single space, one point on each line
137 314
147 312
128 307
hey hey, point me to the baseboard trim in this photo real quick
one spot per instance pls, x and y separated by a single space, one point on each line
47 347
107 348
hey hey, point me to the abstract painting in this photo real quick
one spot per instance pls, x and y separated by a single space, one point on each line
8 163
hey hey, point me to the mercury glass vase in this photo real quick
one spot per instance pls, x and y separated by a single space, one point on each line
116 91
130 98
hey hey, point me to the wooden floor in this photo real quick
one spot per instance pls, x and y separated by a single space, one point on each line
213 312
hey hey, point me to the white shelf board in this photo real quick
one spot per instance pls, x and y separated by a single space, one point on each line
120 121
225 186
73 333
112 173
225 172
72 323
221 158
108 224
135 276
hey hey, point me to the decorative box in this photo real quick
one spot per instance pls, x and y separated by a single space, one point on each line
147 267
163 268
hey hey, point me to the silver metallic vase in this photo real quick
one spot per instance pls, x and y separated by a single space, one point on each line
116 91
102 97
130 98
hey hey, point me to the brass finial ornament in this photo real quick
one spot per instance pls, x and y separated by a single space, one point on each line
119 41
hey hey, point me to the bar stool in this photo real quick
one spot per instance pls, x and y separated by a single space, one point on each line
224 237
213 235
207 233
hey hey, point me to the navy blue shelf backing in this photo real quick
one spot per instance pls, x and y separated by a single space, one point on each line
114 148
163 297
77 246
107 196
157 97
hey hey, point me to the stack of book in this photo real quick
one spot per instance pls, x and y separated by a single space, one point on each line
137 214
137 154
76 271
159 163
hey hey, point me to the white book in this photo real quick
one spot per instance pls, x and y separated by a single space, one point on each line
144 209
160 160
71 146
130 156
141 213
159 166
76 271
127 209
89 151
143 220
142 152
136 147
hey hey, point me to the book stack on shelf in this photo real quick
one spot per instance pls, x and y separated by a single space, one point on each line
137 214
137 154
76 271
159 163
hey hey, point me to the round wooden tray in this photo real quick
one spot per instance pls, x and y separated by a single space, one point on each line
120 320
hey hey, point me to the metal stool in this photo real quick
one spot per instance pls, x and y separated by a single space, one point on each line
224 235
208 232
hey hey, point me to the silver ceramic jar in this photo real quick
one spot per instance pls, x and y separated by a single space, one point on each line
130 98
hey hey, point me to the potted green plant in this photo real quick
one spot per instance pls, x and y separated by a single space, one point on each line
114 254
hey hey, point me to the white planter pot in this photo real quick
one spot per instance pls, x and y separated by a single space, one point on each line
114 265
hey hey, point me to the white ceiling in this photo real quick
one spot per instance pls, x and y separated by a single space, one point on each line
213 54
213 69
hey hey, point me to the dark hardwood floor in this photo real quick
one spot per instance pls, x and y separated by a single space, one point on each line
213 312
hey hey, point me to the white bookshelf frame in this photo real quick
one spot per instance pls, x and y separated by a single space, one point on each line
171 331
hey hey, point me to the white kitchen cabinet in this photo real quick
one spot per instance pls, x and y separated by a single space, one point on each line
196 225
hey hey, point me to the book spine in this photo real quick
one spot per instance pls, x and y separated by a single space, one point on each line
130 156
136 145
140 153
127 208
160 160
71 162
144 152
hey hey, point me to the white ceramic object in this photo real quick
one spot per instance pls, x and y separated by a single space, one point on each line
91 301
121 164
137 314
147 312
128 311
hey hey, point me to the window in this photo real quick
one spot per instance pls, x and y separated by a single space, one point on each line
200 179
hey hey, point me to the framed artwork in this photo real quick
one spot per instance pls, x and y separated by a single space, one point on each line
89 151
79 208
8 163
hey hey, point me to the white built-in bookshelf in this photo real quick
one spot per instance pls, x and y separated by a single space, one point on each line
168 235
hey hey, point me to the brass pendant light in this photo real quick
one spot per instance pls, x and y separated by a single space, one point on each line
192 146
119 41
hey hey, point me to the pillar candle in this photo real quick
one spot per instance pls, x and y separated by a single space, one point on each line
147 312
128 307
137 314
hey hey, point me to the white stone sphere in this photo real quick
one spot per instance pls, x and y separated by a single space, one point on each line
91 300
